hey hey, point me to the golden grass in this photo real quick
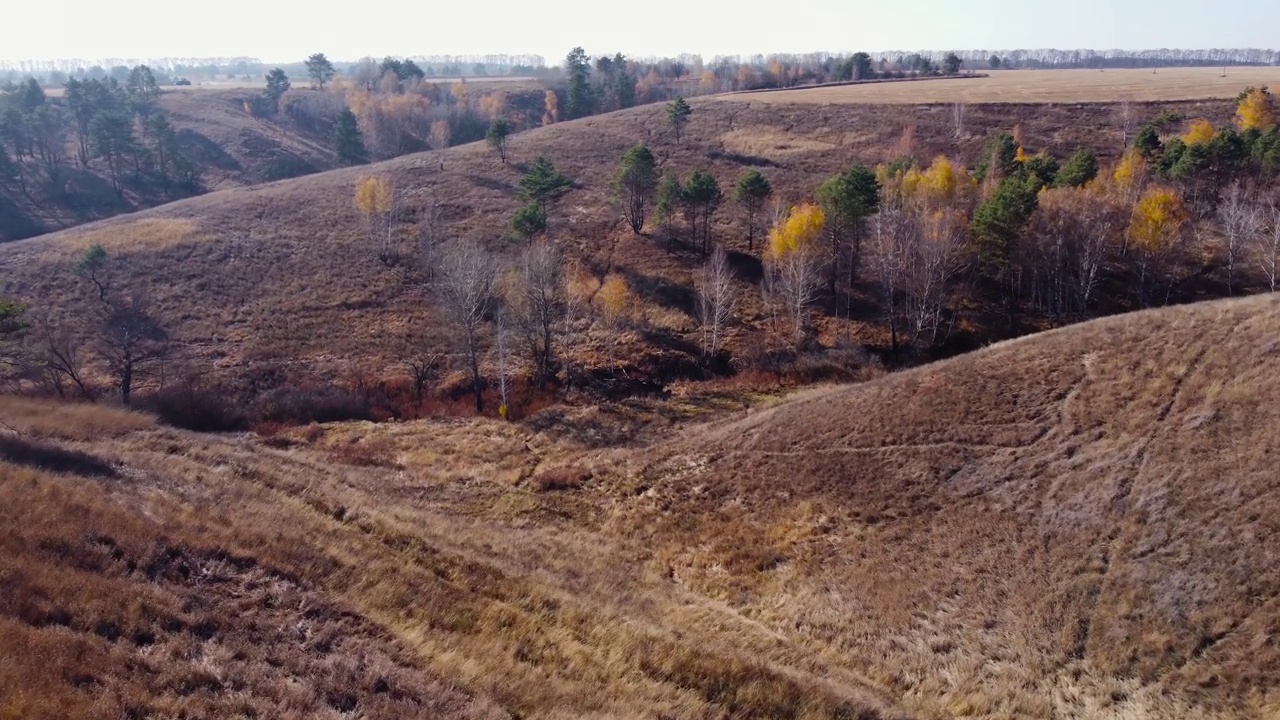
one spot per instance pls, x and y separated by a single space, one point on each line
1036 86
1080 524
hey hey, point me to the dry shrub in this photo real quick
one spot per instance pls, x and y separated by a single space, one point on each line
372 451
561 478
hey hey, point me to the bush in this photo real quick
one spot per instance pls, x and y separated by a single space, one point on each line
197 407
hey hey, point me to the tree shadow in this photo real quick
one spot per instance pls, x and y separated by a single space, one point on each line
203 151
44 456
740 159
489 183
15 224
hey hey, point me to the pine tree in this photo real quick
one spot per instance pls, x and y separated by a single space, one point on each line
701 198
635 183
580 101
1079 169
678 112
320 70
542 184
750 193
348 142
670 191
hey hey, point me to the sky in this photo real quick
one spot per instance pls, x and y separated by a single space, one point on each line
288 30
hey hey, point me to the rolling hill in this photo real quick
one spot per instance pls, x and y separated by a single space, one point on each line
284 273
1077 524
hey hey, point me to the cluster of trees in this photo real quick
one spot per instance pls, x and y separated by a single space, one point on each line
101 124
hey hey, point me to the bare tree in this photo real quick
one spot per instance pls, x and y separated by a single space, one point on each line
57 358
794 280
464 286
1127 117
957 119
1240 220
888 255
500 341
1266 245
422 370
536 303
132 342
716 300
937 257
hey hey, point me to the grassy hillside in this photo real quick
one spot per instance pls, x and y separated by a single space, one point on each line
1080 524
284 273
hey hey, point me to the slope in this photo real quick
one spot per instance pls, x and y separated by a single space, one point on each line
286 271
1079 524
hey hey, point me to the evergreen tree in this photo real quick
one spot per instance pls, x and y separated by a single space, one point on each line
678 112
542 184
277 86
997 228
113 141
348 142
580 101
1147 141
951 64
635 183
751 192
529 220
624 88
701 198
1079 169
320 70
999 155
670 192
860 67
846 201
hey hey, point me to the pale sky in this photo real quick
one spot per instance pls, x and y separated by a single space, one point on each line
289 30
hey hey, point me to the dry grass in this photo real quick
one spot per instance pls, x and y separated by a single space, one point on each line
1037 86
281 276
1081 524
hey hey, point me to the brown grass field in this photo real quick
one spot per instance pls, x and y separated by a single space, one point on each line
283 274
1078 524
1037 86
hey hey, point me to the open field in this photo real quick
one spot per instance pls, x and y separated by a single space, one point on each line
1083 524
1037 86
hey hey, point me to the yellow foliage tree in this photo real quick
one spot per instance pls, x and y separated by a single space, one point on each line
708 83
1257 110
1201 131
615 300
1157 219
1131 172
375 201
494 105
373 195
1155 229
1022 155
800 230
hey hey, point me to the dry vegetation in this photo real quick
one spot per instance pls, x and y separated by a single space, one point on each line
282 276
1037 86
1080 524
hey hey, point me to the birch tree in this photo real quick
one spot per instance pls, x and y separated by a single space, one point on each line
716 300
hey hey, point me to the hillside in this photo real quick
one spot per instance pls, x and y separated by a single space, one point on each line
284 273
226 145
1078 524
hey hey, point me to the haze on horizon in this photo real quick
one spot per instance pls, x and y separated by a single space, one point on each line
283 32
